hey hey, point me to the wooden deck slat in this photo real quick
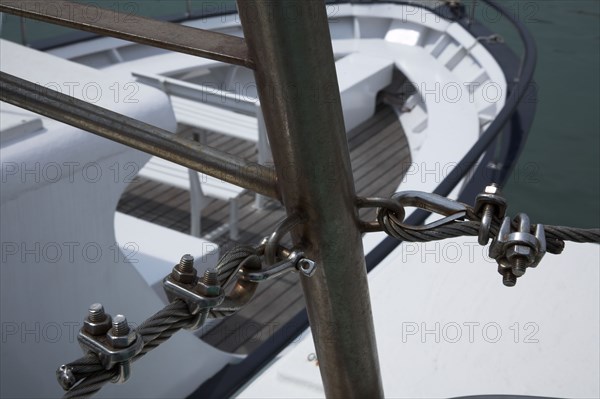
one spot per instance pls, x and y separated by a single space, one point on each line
370 181
362 159
379 154
280 296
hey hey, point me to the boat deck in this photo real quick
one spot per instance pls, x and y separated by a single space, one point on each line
380 156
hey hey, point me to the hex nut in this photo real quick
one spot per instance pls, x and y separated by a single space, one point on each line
491 189
208 290
523 251
97 328
307 267
120 342
184 278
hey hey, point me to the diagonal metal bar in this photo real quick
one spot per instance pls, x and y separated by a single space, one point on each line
166 35
138 135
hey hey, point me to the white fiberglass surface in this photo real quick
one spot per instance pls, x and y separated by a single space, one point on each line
446 327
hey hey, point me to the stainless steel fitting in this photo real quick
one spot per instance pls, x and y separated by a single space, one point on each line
294 262
488 204
307 267
200 295
97 322
116 347
515 251
184 272
120 335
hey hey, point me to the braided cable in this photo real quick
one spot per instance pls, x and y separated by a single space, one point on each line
227 267
230 262
154 331
94 381
92 384
555 235
158 328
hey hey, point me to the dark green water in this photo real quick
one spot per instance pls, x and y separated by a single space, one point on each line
557 179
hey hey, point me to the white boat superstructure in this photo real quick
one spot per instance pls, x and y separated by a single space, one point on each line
458 88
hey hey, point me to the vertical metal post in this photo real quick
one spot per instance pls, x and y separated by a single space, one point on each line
297 84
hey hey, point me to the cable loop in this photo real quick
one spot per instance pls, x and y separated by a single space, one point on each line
484 220
385 206
451 210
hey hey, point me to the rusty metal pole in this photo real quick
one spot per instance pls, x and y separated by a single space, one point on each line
290 45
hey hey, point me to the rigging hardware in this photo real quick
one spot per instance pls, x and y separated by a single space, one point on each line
294 262
200 295
517 245
488 205
452 210
515 251
86 375
114 348
271 243
392 206
193 299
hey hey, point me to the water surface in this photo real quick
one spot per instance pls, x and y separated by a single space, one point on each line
564 144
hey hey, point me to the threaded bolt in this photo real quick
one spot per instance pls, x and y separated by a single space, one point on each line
509 279
186 264
210 277
520 267
96 313
120 326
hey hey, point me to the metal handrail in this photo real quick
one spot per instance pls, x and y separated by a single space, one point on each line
138 135
65 39
180 38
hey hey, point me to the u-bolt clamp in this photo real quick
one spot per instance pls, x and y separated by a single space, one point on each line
200 295
515 251
488 205
113 341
